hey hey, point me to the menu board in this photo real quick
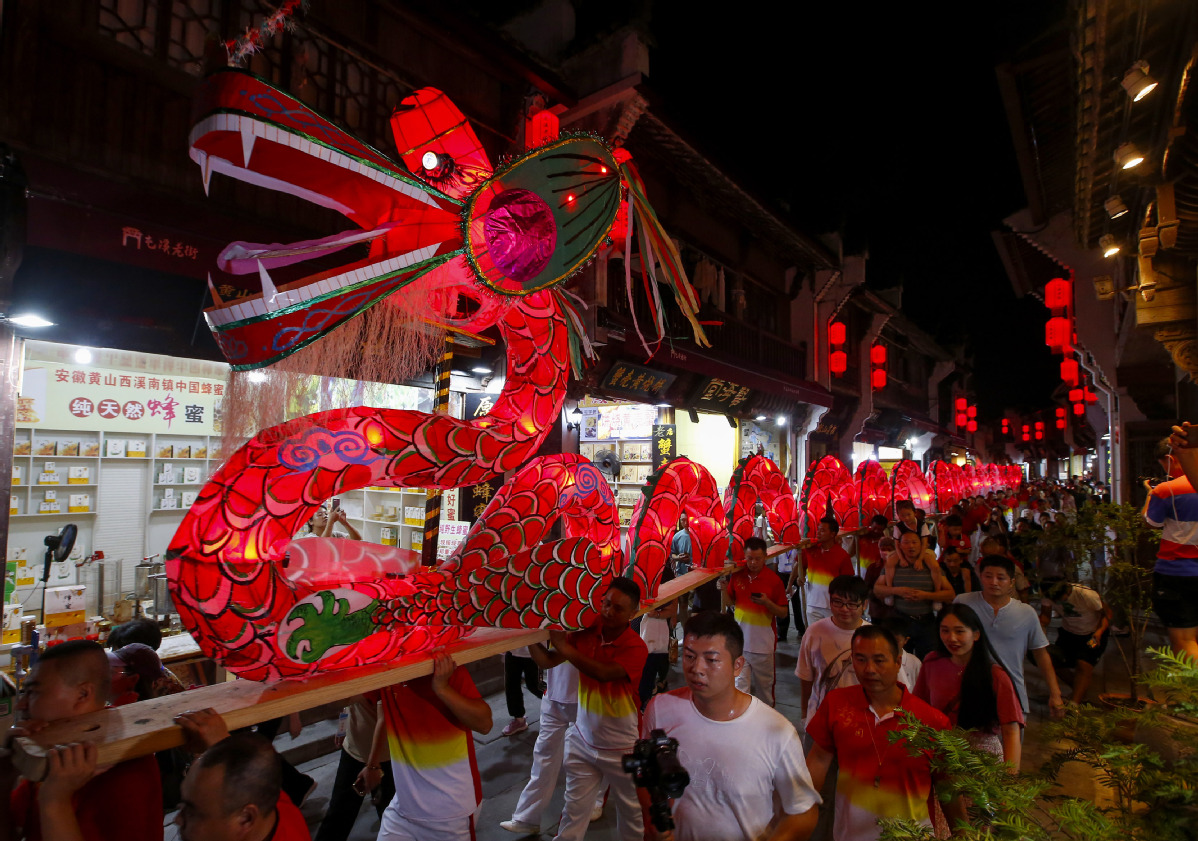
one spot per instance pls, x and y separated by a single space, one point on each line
624 420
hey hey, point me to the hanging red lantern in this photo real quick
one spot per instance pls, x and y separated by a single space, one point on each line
1057 334
962 403
1039 434
972 426
1075 395
837 333
1079 408
877 354
1069 372
1006 426
1060 423
1058 295
1060 411
838 362
1039 425
962 419
1027 437
878 379
972 411
1091 397
541 128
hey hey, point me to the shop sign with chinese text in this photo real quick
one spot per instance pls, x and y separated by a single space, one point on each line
636 381
722 396
665 444
84 397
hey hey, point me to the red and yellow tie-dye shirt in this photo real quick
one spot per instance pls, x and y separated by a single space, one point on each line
432 754
609 712
876 779
755 620
822 566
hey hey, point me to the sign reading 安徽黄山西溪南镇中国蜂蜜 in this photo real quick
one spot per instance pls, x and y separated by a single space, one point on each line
65 396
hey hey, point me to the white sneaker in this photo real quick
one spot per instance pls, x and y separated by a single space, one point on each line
516 725
521 827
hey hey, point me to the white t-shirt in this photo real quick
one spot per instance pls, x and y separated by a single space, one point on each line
656 634
909 670
561 683
1081 610
744 773
786 561
825 659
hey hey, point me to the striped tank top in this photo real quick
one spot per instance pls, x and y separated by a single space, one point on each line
918 579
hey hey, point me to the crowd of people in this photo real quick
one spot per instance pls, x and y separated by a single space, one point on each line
934 618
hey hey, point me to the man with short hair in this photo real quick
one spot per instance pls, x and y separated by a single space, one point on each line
876 778
1013 628
610 657
1082 637
234 790
758 600
426 724
1172 506
825 657
749 781
73 801
821 563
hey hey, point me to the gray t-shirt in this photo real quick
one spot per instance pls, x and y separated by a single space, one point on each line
1013 631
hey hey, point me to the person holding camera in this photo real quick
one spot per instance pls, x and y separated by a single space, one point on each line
610 658
748 776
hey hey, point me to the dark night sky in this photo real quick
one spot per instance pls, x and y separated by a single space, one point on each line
887 126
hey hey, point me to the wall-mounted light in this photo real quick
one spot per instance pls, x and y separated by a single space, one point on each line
1115 206
1137 82
1108 245
481 369
83 356
782 420
759 418
574 419
1128 156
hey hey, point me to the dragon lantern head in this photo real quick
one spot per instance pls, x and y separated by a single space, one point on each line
467 239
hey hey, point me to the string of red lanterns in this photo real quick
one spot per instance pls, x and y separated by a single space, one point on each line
877 362
838 360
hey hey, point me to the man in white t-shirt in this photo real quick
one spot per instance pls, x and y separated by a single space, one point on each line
748 774
826 654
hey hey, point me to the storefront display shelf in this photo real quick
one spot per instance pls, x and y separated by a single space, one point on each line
49 514
177 484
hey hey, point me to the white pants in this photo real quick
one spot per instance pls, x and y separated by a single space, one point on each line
758 673
395 827
814 614
547 755
587 772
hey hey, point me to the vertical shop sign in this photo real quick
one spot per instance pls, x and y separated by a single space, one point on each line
472 500
665 445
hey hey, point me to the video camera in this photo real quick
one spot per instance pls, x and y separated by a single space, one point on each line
654 766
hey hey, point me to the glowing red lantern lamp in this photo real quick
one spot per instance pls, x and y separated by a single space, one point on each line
972 426
1069 372
962 419
1039 434
838 362
837 333
1060 411
877 354
1006 426
541 128
962 403
1060 423
1039 424
878 379
1027 437
1079 408
1058 295
1057 334
1091 397
1075 395
972 411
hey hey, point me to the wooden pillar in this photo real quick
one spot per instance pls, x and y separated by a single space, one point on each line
432 505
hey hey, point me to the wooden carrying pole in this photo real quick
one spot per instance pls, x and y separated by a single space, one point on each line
145 727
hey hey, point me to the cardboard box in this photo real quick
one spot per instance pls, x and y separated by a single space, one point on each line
166 451
79 475
22 447
79 503
68 448
46 448
116 447
183 451
12 623
387 536
18 474
191 475
136 449
91 448
199 452
189 498
65 605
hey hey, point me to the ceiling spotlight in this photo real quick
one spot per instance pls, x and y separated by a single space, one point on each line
1128 156
83 356
481 369
436 166
27 320
1137 82
1108 245
1115 207
760 417
781 420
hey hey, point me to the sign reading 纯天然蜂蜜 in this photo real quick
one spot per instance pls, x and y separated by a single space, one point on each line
67 396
